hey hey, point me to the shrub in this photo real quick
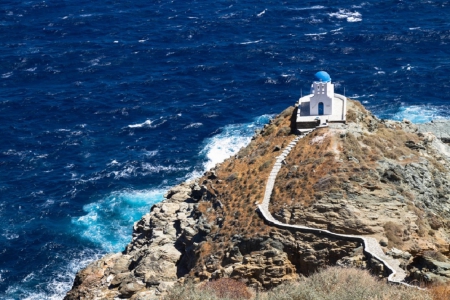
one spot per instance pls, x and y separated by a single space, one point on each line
343 284
439 291
329 284
284 131
228 288
232 177
394 234
435 255
265 165
269 130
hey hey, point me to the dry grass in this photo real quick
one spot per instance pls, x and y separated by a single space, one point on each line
439 291
394 233
228 288
329 284
240 183
436 255
344 284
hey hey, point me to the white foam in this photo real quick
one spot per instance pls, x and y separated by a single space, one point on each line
147 123
315 34
108 222
420 113
7 75
193 125
151 153
308 8
350 16
159 168
408 67
262 13
230 141
336 30
113 162
250 42
56 287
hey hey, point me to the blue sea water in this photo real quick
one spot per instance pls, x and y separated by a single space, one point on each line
106 104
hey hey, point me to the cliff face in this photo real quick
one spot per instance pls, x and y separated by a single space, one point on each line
370 177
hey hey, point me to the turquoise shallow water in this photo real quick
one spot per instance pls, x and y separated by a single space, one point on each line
106 104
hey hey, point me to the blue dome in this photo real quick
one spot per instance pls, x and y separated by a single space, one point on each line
322 76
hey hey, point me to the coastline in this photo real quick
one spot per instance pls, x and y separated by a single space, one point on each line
167 241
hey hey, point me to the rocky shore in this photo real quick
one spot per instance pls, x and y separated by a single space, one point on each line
384 179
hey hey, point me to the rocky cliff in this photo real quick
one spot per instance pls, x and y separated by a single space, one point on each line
384 179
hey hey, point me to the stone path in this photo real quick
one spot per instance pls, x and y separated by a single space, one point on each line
371 246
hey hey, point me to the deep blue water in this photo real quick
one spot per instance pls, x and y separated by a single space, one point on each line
105 104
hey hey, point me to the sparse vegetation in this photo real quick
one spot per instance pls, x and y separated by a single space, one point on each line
329 284
394 233
436 255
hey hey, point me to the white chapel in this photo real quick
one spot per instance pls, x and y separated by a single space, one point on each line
322 106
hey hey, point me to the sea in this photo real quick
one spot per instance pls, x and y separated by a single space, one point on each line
104 105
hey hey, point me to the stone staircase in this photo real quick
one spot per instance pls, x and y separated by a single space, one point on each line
371 246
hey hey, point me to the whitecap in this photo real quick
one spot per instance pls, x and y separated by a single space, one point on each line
418 113
69 166
7 75
336 30
315 34
108 222
347 14
250 42
193 125
271 81
150 168
227 16
147 123
56 286
113 162
151 153
308 8
228 142
262 13
408 67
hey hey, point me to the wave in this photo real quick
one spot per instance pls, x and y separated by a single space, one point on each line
347 14
147 124
315 34
193 125
53 287
108 222
250 42
419 113
230 141
308 8
117 170
261 13
7 75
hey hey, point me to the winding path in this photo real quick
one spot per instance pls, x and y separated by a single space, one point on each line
371 246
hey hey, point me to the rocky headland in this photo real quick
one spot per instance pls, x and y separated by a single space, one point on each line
377 178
